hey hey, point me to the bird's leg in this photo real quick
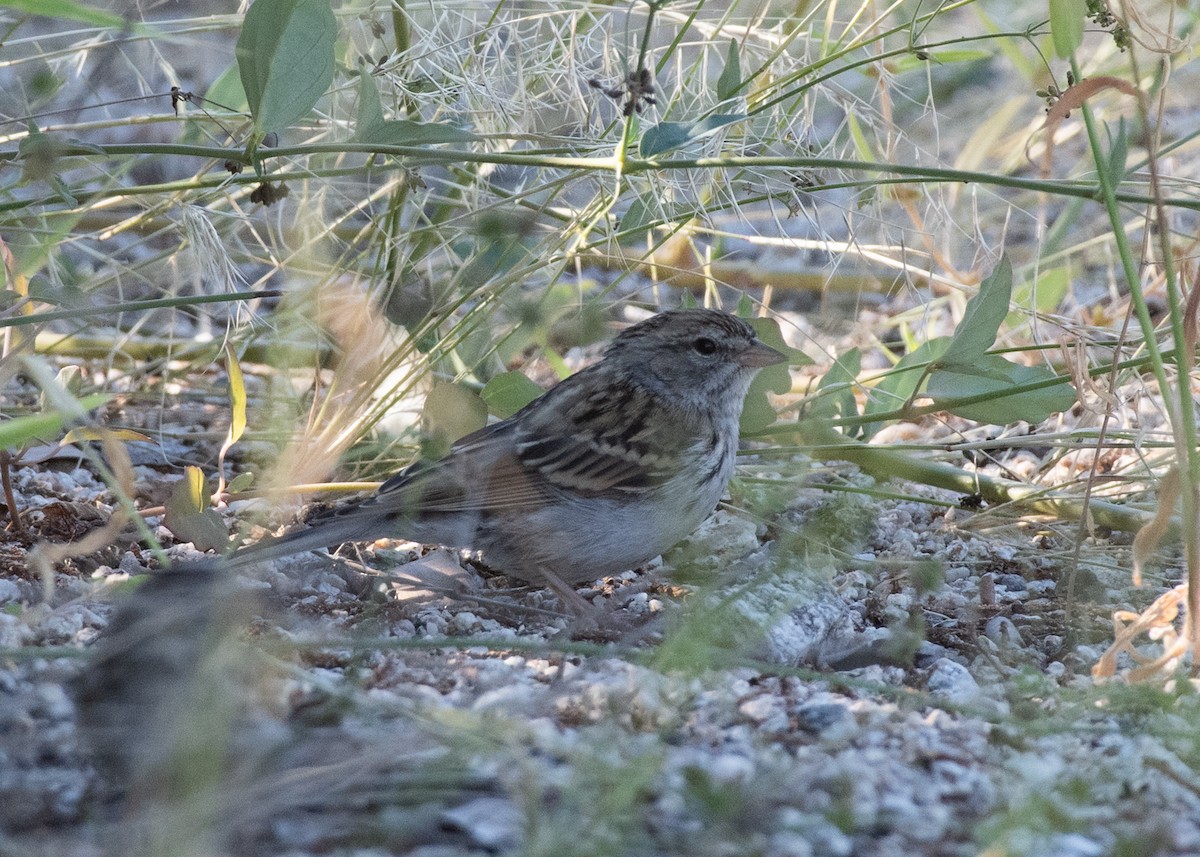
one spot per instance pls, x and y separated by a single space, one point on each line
568 597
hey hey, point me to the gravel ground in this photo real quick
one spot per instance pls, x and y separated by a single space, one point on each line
750 695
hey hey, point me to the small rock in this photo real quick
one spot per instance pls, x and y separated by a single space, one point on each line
826 719
1051 644
789 844
956 573
1012 582
639 604
1001 631
492 823
727 768
1072 845
718 542
820 621
928 653
765 711
951 680
9 591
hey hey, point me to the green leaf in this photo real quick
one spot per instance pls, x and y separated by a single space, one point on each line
502 242
227 92
862 143
663 137
994 374
712 124
637 218
371 127
64 192
508 392
40 154
666 136
838 387
976 333
901 384
10 298
451 411
757 413
68 10
912 61
17 432
237 397
768 331
285 59
370 110
1051 287
1067 19
649 212
189 517
404 132
60 294
239 483
408 299
1119 152
730 80
90 148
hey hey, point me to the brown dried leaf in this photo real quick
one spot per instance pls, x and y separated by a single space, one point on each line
1072 98
1149 536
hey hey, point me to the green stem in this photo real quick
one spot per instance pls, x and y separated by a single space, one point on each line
824 444
136 306
418 156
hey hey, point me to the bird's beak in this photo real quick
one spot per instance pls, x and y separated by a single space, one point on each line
758 355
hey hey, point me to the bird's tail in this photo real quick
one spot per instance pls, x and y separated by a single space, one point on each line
355 525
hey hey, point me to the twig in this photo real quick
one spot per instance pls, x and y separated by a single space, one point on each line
10 498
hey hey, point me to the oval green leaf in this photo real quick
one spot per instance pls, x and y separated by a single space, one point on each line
976 333
508 392
663 137
371 127
237 397
671 135
757 414
404 132
730 80
837 390
1002 380
451 411
1067 18
285 58
902 382
189 517
227 92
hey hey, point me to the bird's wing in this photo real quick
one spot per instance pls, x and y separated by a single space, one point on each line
607 439
578 440
481 473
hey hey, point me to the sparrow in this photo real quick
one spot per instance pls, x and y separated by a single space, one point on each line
606 470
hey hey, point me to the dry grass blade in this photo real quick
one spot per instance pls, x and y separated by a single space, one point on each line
1158 622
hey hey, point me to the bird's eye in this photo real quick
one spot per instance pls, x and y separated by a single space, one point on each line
705 346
